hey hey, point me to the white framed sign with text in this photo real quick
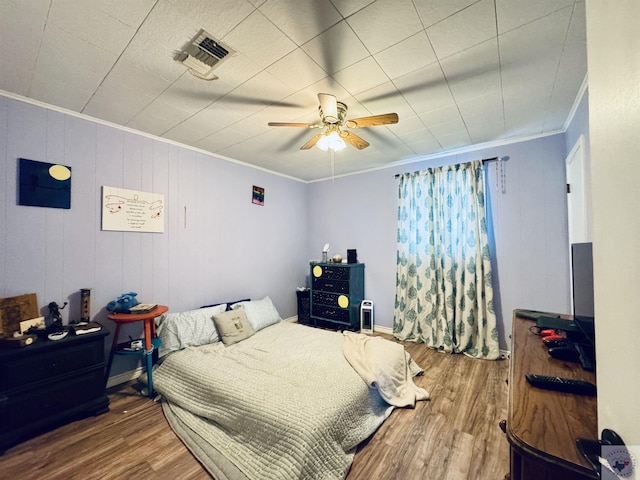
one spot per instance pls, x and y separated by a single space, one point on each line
132 211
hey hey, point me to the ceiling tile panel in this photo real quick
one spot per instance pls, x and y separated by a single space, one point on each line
473 72
433 12
117 106
257 93
21 27
204 123
297 70
463 30
361 76
224 139
97 27
407 56
128 12
489 104
446 115
260 40
336 49
157 42
384 98
192 94
68 70
385 23
537 43
425 89
349 7
305 20
124 93
515 13
158 117
237 69
484 128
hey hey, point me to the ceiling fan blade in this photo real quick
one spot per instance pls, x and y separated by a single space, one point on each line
355 140
311 143
290 124
329 106
372 121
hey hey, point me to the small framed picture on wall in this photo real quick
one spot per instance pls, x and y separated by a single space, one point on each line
258 195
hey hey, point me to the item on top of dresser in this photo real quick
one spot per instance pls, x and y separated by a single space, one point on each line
17 340
58 335
325 253
54 319
123 303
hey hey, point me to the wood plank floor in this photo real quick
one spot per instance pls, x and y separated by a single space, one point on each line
453 436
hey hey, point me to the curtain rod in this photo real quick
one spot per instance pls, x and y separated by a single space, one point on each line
484 160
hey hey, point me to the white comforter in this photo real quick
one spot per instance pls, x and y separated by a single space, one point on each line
283 404
385 366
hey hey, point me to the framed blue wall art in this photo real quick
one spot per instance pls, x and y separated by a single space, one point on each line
42 184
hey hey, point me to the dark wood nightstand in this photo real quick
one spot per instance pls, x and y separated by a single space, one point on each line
50 383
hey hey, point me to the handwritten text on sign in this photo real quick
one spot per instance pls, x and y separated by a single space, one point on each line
132 211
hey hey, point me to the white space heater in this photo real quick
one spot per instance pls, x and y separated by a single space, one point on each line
366 316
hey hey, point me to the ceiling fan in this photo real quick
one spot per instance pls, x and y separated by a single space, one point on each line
332 119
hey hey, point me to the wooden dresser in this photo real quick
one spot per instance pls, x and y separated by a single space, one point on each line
337 289
542 425
50 383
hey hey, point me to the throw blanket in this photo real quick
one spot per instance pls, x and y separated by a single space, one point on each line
386 366
282 404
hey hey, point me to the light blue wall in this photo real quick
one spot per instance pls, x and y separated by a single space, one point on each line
227 248
529 227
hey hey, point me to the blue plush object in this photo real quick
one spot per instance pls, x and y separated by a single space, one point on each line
123 303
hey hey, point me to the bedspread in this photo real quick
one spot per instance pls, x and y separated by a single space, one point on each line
282 404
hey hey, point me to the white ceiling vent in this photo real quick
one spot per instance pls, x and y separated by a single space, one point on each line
204 54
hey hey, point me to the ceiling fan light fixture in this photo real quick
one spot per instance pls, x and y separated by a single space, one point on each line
331 141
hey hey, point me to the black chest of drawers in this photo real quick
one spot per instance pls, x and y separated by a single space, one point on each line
337 289
49 383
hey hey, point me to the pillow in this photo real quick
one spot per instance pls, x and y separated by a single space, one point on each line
226 304
186 329
233 326
260 313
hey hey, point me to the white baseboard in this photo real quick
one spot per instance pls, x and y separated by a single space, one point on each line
125 377
387 330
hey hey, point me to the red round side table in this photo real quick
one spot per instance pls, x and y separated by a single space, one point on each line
149 333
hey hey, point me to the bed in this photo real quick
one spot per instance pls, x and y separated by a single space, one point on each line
256 398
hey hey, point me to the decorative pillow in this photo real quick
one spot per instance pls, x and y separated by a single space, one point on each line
187 329
260 313
227 304
233 326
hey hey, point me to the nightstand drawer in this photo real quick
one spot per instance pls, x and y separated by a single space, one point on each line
33 368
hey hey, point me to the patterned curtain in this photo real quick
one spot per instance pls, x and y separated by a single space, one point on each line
444 293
